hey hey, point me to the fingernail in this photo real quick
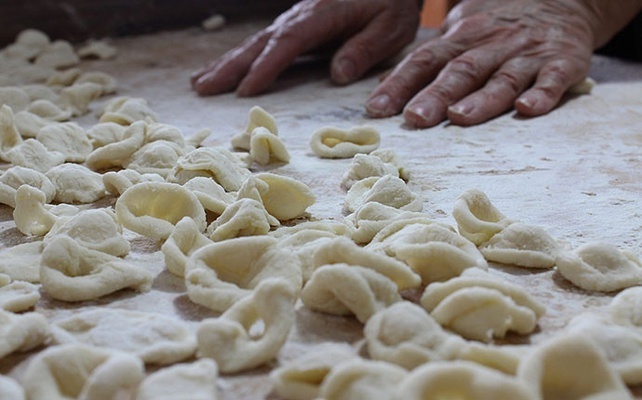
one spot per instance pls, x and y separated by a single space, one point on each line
526 102
345 71
423 114
461 109
379 105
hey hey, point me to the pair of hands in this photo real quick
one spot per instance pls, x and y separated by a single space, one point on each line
492 55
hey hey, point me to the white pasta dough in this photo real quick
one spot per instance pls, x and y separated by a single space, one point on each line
18 296
387 190
21 332
184 240
477 218
173 383
15 177
10 389
285 198
331 142
363 379
76 183
257 117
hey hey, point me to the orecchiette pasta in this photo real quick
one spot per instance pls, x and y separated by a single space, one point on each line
10 389
76 183
570 366
211 195
219 274
117 182
33 154
57 54
363 379
265 147
343 289
258 117
118 154
366 166
97 49
105 133
78 96
387 190
477 218
106 82
29 124
601 267
21 332
157 157
184 240
79 371
18 296
15 177
462 380
49 110
14 98
331 142
522 245
197 380
70 272
153 209
406 335
229 339
372 217
245 217
9 135
301 379
215 162
22 262
155 338
127 110
64 77
30 215
285 198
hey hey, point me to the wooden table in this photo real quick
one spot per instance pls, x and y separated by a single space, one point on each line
577 172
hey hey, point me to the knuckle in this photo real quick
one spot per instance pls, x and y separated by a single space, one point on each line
509 79
465 67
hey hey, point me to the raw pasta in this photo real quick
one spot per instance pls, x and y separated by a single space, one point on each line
331 142
363 379
21 332
175 382
18 296
182 243
285 198
266 147
258 117
387 190
30 215
10 389
477 218
245 217
76 183
15 177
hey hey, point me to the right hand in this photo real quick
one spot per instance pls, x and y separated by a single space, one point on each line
370 31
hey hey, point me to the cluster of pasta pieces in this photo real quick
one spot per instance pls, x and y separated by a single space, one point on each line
220 229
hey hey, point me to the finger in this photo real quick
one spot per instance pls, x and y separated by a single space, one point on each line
497 96
461 76
226 73
553 80
414 72
382 38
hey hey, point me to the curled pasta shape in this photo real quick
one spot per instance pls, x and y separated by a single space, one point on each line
227 339
184 240
118 154
522 245
343 250
372 217
97 49
80 371
155 338
40 92
117 182
76 183
9 135
258 117
302 377
68 138
33 40
363 379
331 142
462 380
601 267
15 177
219 274
14 98
64 78
48 109
388 190
624 308
343 289
214 162
33 154
366 166
570 366
18 296
127 110
10 389
95 229
431 249
70 272
153 209
157 157
58 54
104 133
107 83
245 217
21 332
504 358
30 215
29 124
406 335
197 378
477 218
157 131
211 195
77 97
285 198
265 147
329 226
22 262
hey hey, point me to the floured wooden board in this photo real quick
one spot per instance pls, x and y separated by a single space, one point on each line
577 172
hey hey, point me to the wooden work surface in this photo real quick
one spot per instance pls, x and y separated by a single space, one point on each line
577 172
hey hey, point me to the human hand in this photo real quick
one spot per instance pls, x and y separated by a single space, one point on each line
371 31
497 54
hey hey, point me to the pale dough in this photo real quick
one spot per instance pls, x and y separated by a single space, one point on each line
22 332
244 217
127 110
257 117
10 389
76 184
331 142
285 198
18 296
30 215
174 383
185 239
372 217
266 148
15 177
477 218
388 190
215 162
363 379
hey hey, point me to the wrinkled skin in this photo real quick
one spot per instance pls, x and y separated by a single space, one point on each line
492 55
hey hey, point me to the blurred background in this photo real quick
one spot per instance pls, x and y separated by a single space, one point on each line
79 20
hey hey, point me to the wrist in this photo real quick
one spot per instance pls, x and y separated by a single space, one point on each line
607 18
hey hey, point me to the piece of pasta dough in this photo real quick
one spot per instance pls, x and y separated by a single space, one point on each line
71 272
15 177
77 97
266 147
462 380
258 117
196 380
388 190
155 338
477 218
49 110
127 110
182 243
10 137
230 339
104 133
79 371
503 358
29 124
118 153
342 289
117 182
372 217
285 198
366 166
97 49
244 217
153 209
331 142
570 366
30 215
214 162
58 54
107 83
76 183
157 157
220 274
600 267
363 379
432 250
10 389
212 196
406 335
522 245
22 332
18 296
22 262
33 154
301 378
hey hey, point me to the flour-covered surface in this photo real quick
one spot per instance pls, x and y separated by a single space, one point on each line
576 172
